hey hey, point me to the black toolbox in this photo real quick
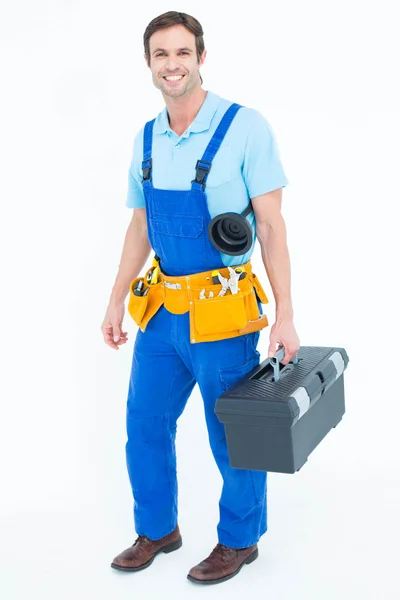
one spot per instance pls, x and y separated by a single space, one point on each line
277 415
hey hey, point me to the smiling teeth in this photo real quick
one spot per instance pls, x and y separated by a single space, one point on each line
174 77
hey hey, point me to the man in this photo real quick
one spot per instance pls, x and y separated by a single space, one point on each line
171 216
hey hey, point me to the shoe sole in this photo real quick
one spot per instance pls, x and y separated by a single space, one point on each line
166 549
247 561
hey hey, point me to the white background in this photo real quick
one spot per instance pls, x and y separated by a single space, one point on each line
75 89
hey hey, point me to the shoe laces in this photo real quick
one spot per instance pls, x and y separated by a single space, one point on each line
139 538
221 549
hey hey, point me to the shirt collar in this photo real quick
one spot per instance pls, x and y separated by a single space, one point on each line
201 122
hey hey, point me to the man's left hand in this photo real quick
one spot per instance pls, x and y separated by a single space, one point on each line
284 334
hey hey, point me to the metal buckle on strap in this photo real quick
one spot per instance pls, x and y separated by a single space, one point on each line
146 169
201 171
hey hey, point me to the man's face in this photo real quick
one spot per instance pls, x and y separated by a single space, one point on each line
173 55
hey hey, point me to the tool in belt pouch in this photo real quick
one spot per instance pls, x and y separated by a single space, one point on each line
146 296
212 317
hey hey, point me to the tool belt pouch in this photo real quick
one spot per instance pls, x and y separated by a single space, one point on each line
259 289
221 317
143 308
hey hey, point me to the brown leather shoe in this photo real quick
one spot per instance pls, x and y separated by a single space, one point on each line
141 554
222 564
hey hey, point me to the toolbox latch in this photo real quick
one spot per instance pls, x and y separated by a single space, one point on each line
325 374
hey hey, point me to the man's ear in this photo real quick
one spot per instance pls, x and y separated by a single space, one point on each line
202 57
145 60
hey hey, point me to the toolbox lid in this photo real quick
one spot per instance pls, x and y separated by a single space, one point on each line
298 387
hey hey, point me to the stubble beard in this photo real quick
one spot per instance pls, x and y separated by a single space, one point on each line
167 91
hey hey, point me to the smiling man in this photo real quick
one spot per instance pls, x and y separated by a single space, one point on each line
201 156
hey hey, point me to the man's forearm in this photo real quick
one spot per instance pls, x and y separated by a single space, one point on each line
275 255
135 252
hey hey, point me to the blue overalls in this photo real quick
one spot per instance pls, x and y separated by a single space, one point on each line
166 366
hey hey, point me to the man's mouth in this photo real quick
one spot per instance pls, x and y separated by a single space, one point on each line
173 78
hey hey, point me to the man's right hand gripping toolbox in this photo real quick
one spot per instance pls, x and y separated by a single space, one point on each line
276 416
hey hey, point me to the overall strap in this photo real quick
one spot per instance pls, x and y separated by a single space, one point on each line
147 147
203 165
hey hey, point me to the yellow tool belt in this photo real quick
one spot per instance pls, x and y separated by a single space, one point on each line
211 318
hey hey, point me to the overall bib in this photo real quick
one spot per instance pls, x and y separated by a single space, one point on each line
166 367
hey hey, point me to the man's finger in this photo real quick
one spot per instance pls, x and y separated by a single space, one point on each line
116 332
272 349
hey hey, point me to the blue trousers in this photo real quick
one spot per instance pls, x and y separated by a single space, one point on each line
165 368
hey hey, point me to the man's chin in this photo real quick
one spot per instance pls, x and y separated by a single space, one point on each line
174 92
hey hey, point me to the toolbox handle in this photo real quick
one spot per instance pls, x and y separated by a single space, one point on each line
278 356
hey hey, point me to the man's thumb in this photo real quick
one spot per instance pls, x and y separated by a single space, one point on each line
271 350
117 333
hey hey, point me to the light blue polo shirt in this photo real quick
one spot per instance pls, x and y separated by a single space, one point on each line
246 165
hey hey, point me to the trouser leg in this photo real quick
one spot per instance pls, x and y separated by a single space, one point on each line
243 501
159 387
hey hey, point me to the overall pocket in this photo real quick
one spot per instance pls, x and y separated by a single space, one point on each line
229 376
180 236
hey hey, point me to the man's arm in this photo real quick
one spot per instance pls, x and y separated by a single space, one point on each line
271 233
135 252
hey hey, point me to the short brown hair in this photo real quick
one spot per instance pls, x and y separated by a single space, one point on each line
169 19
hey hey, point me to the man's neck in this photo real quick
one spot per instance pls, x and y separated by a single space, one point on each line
182 111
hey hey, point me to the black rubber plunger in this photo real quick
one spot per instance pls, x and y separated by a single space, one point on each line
231 233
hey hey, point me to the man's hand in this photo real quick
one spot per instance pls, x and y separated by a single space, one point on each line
284 334
112 325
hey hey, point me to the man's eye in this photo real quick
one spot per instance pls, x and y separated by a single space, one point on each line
163 53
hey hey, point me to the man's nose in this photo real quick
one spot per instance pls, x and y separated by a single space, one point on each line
172 63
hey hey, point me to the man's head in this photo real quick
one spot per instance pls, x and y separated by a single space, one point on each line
174 46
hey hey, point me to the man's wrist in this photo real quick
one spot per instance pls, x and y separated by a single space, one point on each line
284 311
119 294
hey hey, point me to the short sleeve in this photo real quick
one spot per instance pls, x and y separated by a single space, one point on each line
262 166
135 197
